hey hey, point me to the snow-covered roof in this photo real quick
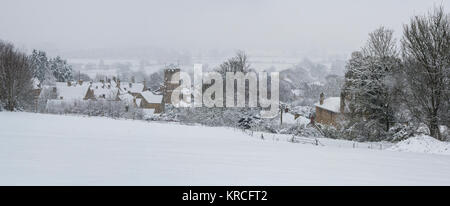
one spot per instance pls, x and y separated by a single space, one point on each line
288 118
297 92
150 97
107 90
128 98
331 104
36 83
73 92
288 80
131 87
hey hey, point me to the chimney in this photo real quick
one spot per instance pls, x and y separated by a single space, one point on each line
69 83
80 82
145 86
342 106
322 97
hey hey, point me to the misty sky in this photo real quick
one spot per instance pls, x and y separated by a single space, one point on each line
339 26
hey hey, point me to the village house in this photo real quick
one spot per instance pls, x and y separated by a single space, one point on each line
127 98
329 110
70 91
150 100
131 87
99 90
133 94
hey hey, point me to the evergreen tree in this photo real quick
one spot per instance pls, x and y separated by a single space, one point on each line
40 63
61 70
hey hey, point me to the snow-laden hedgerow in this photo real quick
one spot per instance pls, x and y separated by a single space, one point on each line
242 118
104 108
232 117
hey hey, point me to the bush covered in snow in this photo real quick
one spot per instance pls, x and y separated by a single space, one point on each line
233 117
242 118
400 132
423 144
301 130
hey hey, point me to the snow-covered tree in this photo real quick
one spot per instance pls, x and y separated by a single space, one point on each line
238 63
155 80
369 85
47 93
40 64
426 55
61 70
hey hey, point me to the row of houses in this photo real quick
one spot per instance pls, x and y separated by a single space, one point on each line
134 94
327 110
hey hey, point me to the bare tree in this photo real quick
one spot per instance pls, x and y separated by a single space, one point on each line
78 75
426 53
238 63
15 78
381 44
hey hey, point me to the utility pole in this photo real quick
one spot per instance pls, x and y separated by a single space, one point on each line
282 107
281 116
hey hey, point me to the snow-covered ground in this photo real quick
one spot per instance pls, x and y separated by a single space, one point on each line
39 149
422 143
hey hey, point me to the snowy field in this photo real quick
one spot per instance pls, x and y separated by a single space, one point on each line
38 149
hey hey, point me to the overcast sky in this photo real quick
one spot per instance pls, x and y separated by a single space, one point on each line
224 24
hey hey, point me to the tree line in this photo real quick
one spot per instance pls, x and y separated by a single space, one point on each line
19 71
387 85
